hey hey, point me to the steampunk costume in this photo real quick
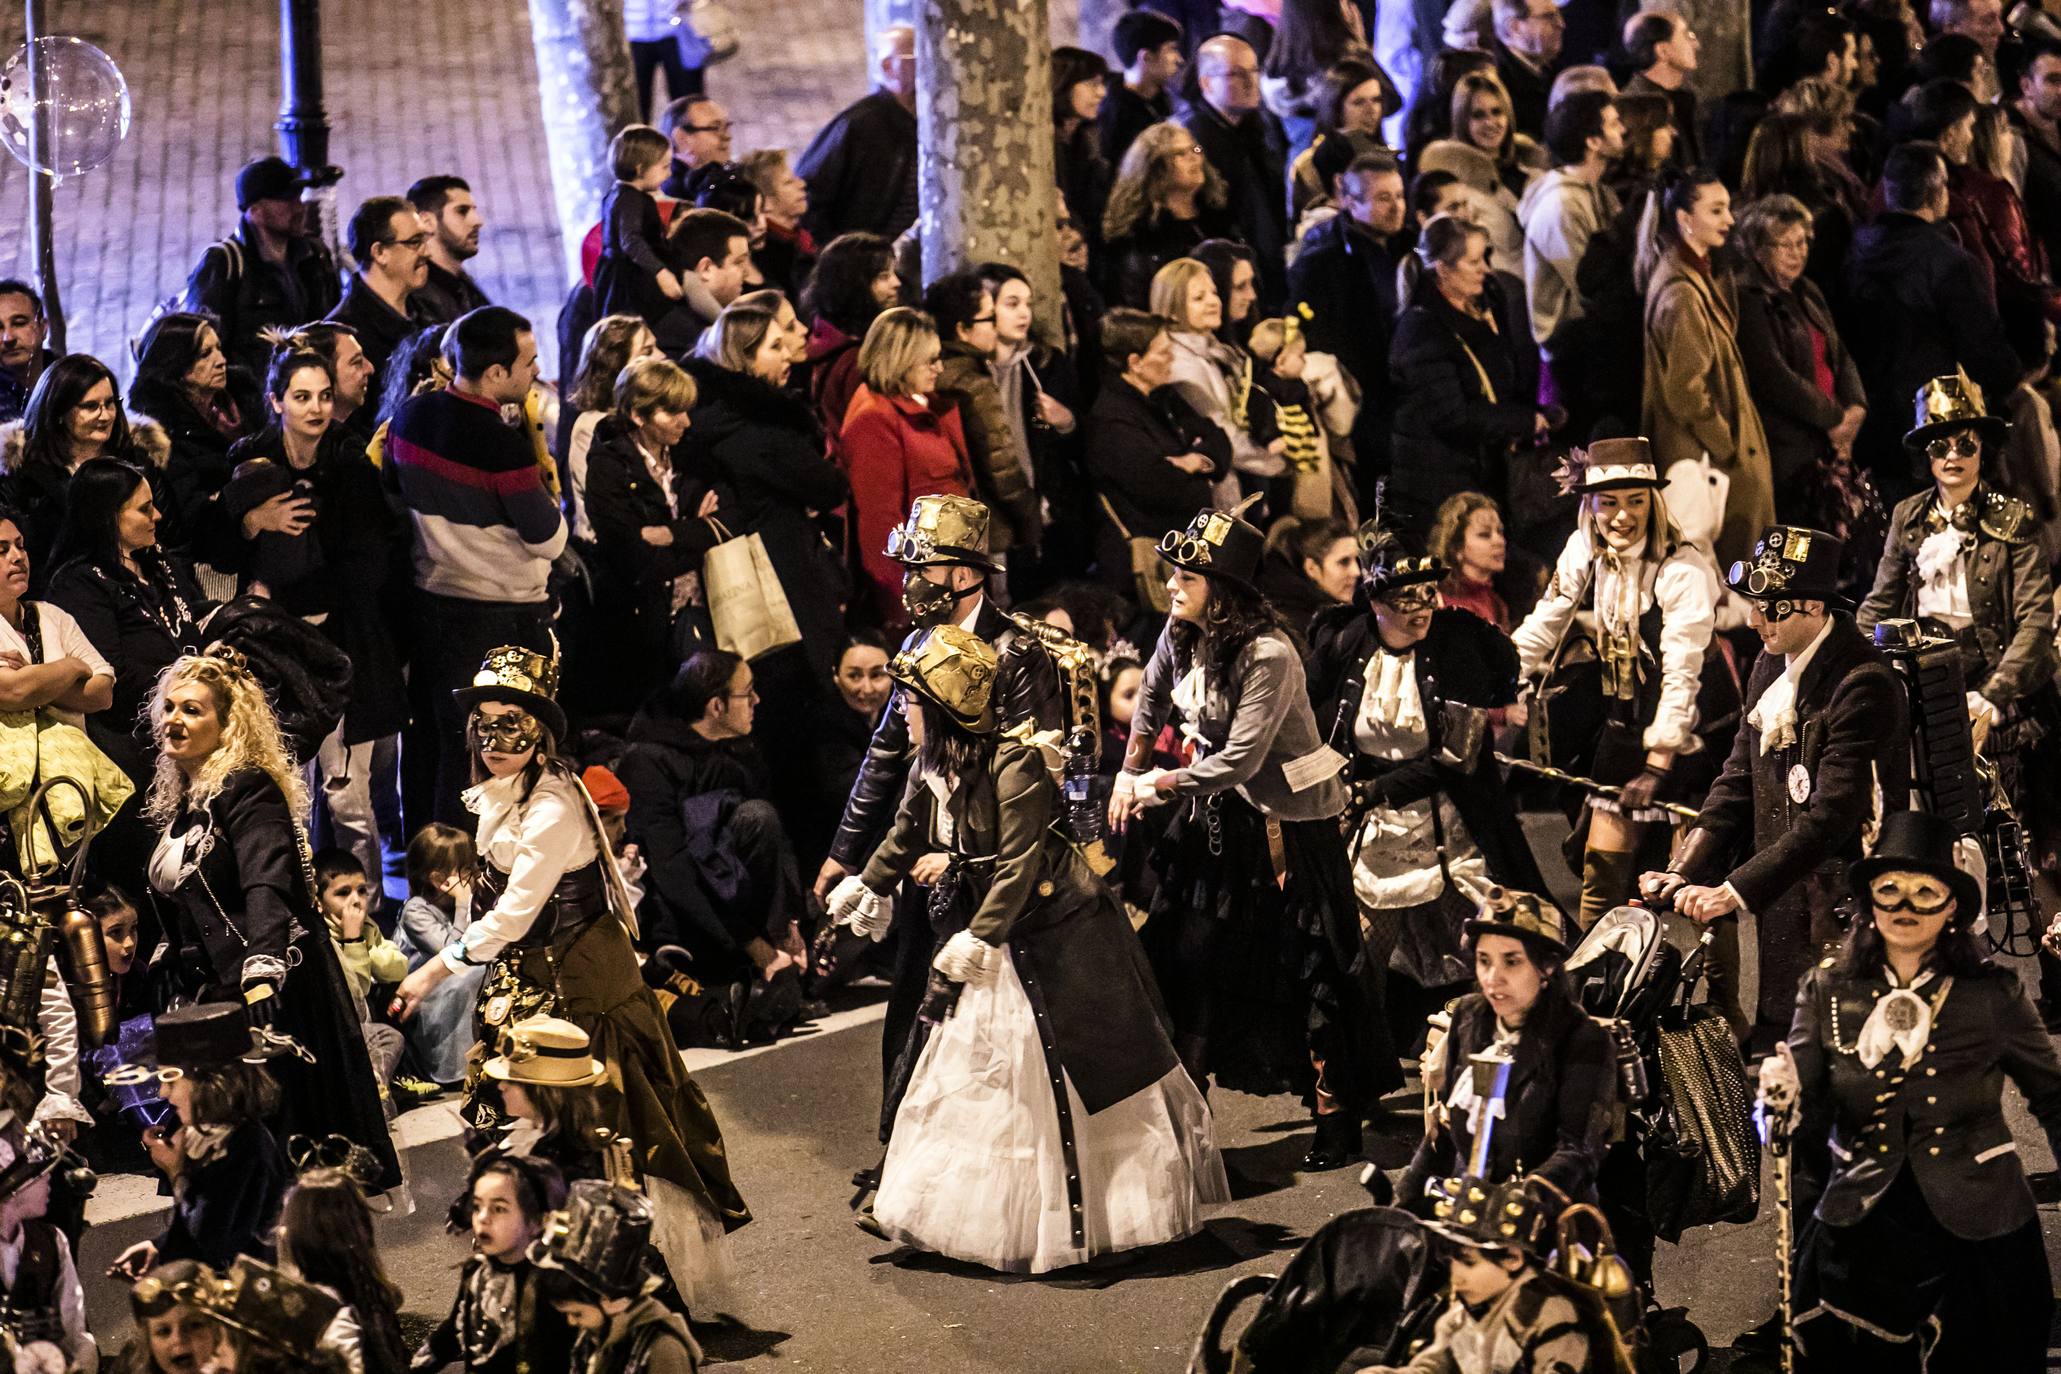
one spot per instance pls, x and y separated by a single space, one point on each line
941 531
600 1239
1048 1119
1252 932
1649 612
1435 828
1825 729
555 935
1923 1251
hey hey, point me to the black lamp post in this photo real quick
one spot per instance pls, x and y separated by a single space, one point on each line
303 123
42 236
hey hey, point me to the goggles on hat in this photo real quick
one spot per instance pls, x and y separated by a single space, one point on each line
1419 596
1964 443
1921 894
1183 548
510 732
905 543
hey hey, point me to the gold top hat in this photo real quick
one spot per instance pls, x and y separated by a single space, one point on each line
518 669
546 1051
954 668
268 1306
1949 403
942 529
1526 915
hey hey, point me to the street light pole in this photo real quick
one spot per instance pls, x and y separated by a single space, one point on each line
303 123
42 236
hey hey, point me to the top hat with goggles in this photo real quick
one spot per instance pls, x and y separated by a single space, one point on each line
954 668
1921 843
942 531
203 1035
1523 916
1481 1215
521 677
1219 544
548 1052
599 1238
1791 565
1946 405
267 1305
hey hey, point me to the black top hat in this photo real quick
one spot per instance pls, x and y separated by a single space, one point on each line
1792 563
204 1035
1488 1216
599 1237
1946 404
1221 544
1387 565
1918 842
1524 916
520 677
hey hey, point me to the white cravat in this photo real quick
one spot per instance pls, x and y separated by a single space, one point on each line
1902 1020
1774 715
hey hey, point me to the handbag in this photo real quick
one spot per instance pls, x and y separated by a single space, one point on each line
708 32
1145 565
1702 1154
745 599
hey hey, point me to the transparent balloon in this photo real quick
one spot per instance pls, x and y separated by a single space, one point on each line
84 102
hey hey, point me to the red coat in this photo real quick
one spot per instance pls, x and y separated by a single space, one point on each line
896 449
1990 219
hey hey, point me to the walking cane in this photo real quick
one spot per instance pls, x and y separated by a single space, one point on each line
1774 1130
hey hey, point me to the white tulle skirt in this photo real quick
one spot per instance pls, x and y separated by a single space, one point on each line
976 1170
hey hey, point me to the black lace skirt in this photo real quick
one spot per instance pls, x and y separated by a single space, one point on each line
1264 976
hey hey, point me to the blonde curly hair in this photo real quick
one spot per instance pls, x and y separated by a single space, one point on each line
250 737
1140 190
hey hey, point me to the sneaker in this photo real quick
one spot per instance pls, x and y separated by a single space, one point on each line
410 1091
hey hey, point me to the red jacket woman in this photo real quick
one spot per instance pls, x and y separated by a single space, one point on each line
898 443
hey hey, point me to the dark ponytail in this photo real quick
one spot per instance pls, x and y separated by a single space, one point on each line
1675 192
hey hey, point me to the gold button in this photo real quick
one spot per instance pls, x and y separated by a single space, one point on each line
1934 1150
1939 1130
1931 1073
1045 888
1932 1102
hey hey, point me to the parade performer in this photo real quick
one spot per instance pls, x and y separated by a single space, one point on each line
1827 725
1252 932
236 891
1923 1250
1556 1113
1048 1119
943 550
1652 600
591 1267
1404 688
555 937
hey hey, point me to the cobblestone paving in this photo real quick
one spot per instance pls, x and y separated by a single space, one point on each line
413 88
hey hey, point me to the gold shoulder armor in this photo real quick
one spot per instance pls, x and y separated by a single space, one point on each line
2006 518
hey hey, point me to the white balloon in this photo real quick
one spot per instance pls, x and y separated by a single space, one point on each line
85 103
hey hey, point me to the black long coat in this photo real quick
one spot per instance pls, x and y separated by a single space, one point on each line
1130 436
760 446
242 913
1775 343
1556 1111
1462 659
1072 944
635 597
1463 400
1943 1119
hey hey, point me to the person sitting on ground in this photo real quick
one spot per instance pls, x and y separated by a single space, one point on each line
368 958
173 1335
441 862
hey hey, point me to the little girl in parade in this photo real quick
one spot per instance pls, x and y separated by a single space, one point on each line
326 1238
498 1324
1048 1119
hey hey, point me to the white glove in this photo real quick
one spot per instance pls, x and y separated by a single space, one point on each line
1781 1091
1147 786
966 958
1431 1065
854 904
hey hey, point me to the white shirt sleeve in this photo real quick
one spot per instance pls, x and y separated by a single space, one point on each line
1687 618
58 1024
62 638
1547 623
551 837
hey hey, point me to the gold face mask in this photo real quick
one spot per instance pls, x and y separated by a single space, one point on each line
511 732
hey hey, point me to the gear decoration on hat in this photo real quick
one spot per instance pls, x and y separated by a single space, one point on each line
954 668
1474 1212
1218 543
1387 565
1791 565
1946 404
519 669
943 530
599 1238
269 1306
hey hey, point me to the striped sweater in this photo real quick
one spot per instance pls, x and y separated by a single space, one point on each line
485 527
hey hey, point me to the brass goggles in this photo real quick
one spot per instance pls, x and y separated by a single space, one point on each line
1918 893
1181 547
1964 444
511 732
906 544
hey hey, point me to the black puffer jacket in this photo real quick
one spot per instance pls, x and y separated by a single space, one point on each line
760 446
199 465
1463 403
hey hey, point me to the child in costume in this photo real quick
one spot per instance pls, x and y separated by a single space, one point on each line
497 1323
592 1270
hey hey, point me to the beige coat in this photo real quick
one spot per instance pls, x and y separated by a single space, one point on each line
1696 399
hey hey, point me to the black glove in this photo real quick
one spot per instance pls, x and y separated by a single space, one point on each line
1637 794
261 1003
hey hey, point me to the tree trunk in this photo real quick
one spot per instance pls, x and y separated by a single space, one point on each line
588 94
984 128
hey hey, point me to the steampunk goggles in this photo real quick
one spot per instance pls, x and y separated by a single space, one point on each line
1963 444
907 544
1918 893
1181 547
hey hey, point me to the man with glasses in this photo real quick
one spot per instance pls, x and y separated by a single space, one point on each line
1343 284
391 246
1827 723
1243 140
1529 36
861 167
700 132
270 274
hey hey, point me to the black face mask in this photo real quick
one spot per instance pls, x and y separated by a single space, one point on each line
931 603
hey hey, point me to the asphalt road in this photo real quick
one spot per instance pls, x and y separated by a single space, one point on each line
820 1295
